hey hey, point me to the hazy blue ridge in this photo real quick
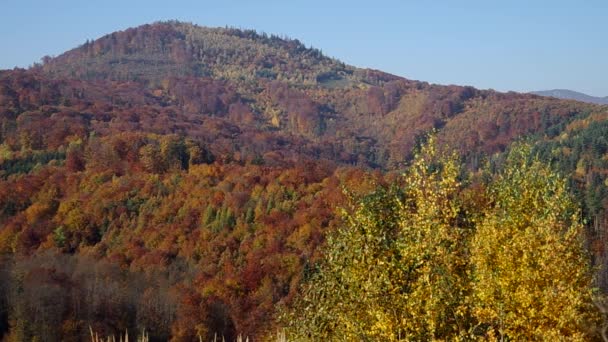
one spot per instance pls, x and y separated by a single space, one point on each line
572 95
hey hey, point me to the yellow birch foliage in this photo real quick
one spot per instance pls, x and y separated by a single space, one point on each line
531 277
433 249
396 270
420 263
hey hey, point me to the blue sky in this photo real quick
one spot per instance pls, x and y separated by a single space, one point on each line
505 45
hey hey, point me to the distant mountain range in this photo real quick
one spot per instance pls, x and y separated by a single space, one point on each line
572 95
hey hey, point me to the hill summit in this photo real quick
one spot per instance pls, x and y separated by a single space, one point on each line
151 52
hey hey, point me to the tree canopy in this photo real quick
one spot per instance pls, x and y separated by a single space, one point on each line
421 261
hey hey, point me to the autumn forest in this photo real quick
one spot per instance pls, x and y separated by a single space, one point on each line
198 182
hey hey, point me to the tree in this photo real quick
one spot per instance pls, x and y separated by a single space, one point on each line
174 152
74 160
396 269
532 279
151 158
428 261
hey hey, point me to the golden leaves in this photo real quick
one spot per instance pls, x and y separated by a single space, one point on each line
412 264
531 278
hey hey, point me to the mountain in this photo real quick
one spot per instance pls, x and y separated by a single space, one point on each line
153 52
572 95
255 94
181 179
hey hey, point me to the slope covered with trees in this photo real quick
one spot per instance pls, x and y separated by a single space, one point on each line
430 259
203 168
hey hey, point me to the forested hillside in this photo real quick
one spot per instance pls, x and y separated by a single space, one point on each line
183 179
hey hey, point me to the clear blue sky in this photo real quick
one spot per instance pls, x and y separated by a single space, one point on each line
505 45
